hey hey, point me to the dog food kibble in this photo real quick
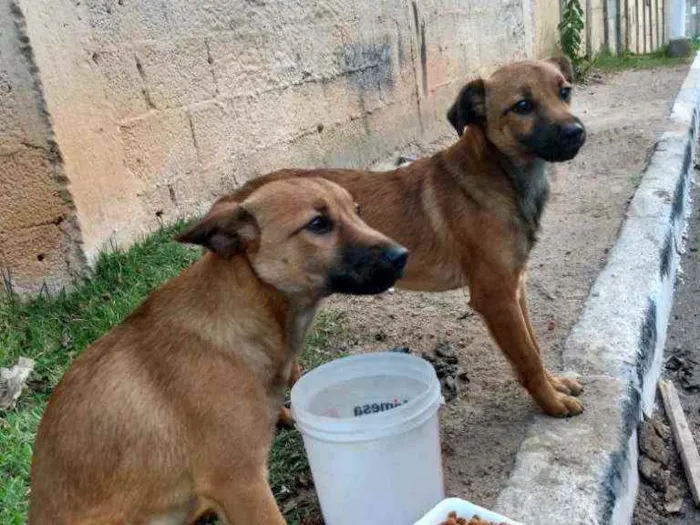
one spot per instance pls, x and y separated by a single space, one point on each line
453 519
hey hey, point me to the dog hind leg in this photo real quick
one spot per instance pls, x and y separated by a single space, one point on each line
247 503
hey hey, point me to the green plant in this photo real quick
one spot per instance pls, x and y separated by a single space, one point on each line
570 32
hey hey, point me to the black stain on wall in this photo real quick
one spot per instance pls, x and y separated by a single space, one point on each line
679 197
647 343
415 16
613 482
666 254
693 123
423 57
420 37
369 70
369 66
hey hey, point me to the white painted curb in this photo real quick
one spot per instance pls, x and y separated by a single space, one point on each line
584 470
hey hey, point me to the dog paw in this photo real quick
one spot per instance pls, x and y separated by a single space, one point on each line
564 406
285 418
566 385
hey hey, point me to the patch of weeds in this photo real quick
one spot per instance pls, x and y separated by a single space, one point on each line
53 330
695 42
606 61
323 342
289 475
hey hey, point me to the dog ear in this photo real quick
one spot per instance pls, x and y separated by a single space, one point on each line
470 106
226 230
564 64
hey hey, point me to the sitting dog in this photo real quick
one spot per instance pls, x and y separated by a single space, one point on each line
470 214
171 414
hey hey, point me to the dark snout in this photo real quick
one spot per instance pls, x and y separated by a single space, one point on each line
364 270
558 142
397 256
573 133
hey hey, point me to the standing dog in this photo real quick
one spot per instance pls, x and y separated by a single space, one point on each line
172 413
470 213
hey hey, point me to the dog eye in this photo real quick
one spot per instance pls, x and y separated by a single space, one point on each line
565 94
357 209
320 225
523 107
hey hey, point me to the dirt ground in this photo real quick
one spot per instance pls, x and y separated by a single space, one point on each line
658 492
483 427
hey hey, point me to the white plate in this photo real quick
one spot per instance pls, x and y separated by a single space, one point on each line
464 509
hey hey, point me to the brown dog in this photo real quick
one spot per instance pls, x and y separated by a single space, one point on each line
172 413
470 214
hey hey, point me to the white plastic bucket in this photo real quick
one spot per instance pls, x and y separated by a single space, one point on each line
371 432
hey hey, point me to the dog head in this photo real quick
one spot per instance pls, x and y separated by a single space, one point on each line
524 109
302 236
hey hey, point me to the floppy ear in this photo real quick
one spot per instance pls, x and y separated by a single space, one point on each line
564 64
227 229
470 107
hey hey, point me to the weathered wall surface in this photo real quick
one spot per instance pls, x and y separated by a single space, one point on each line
595 26
546 14
642 25
692 18
39 238
159 107
105 192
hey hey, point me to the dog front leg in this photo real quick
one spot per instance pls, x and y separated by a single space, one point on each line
285 416
565 385
295 374
495 297
246 503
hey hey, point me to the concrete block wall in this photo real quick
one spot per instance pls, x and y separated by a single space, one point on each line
39 236
157 108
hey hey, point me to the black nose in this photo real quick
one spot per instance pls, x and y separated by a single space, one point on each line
572 132
397 256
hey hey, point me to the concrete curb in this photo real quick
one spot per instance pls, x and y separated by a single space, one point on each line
584 470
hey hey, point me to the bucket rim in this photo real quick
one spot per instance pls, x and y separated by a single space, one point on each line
370 426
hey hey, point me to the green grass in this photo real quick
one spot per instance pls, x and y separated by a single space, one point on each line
54 330
607 61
